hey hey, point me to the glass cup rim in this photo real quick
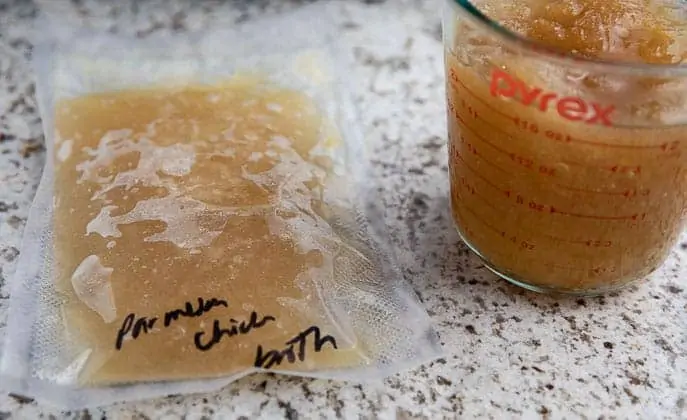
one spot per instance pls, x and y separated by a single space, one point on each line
541 50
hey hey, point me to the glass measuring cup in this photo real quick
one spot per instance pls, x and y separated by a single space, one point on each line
566 153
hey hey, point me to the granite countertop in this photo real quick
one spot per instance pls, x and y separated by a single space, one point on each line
511 353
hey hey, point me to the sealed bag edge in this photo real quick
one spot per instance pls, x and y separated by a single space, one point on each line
15 364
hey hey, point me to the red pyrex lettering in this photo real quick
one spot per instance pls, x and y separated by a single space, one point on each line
569 107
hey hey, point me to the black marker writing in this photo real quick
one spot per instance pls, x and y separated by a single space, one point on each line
190 312
275 357
243 327
134 326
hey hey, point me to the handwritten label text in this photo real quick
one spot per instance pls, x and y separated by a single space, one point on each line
295 349
134 326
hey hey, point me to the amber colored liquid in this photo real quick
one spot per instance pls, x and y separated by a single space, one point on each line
550 183
165 196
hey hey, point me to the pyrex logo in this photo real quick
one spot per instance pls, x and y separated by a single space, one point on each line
569 107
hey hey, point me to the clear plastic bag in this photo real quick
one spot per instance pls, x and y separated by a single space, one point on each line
203 215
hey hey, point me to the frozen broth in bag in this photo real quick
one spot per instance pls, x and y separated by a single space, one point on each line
192 222
203 221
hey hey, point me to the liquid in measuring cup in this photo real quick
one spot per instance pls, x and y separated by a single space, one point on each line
564 178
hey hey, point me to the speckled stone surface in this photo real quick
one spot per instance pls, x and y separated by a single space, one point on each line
511 353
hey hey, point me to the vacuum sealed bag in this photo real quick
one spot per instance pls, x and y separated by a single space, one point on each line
202 216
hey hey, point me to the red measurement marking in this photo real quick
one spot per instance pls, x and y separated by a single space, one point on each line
450 105
620 146
472 149
480 176
588 191
635 217
481 220
534 206
472 130
523 161
472 190
599 244
530 127
471 111
464 226
615 168
531 204
543 169
533 128
467 229
548 170
597 271
637 192
545 208
523 244
559 239
593 243
550 134
631 193
541 207
670 146
531 165
626 169
467 186
584 165
454 79
565 267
